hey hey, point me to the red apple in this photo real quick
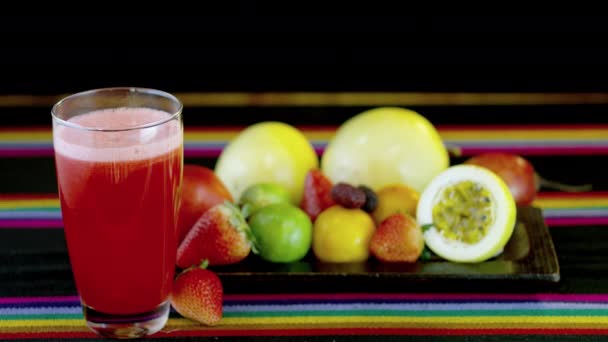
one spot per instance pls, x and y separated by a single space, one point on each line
201 190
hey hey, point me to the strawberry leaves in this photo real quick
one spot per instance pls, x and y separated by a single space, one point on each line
238 221
426 227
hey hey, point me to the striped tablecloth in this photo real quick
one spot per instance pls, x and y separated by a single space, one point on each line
468 140
37 211
341 314
579 307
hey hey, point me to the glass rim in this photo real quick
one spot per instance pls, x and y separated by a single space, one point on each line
149 91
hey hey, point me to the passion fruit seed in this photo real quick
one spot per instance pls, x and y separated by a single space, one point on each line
464 212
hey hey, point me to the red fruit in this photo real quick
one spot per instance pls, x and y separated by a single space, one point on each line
201 190
317 194
197 294
520 176
221 236
515 171
397 239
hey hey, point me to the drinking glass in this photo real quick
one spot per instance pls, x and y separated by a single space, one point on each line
119 159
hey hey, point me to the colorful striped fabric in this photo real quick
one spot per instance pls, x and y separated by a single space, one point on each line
559 209
341 314
468 140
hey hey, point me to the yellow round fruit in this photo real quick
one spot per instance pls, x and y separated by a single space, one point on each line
394 199
267 152
382 146
342 235
469 213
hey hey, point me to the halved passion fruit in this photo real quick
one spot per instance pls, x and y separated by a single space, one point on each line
468 214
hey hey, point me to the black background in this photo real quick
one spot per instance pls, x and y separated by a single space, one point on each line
329 50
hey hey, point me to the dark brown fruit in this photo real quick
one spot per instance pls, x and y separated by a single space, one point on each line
348 196
371 199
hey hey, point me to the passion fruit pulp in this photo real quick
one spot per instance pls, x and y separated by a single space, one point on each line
470 214
464 212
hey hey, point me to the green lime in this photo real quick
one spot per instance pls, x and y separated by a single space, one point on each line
283 232
257 196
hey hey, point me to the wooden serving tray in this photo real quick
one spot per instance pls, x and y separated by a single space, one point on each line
528 259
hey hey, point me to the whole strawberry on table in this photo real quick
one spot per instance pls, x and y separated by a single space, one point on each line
197 294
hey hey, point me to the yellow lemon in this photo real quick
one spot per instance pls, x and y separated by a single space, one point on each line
342 235
394 199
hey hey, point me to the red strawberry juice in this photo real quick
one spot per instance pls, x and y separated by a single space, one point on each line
119 195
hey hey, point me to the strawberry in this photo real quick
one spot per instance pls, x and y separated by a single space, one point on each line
197 294
397 239
221 235
317 194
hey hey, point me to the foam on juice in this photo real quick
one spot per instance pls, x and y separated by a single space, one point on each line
123 145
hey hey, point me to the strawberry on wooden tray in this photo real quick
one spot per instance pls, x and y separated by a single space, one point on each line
317 193
221 236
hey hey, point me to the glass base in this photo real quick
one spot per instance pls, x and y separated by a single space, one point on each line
127 326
